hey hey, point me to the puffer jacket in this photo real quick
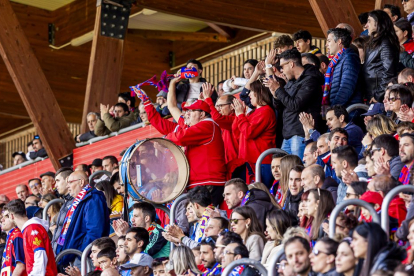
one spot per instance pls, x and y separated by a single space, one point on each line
301 95
380 67
388 258
344 89
260 202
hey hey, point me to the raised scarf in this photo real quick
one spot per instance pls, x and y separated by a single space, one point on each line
329 75
71 211
6 265
202 225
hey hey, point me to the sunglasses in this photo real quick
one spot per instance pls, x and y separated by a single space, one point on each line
393 99
210 239
349 194
374 150
281 266
235 221
405 1
316 252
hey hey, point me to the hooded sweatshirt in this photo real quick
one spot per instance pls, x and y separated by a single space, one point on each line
40 260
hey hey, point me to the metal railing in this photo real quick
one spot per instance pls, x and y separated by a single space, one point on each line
21 165
245 261
261 158
49 204
84 260
173 212
342 205
273 262
69 251
385 218
357 106
163 208
99 173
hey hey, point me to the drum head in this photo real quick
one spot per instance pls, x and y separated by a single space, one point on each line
157 170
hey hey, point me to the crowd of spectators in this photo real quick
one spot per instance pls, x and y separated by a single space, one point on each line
296 99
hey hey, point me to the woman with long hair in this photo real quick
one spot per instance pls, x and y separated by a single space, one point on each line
183 260
113 200
345 260
53 210
306 220
381 56
404 32
287 163
361 44
377 126
245 223
235 82
367 240
256 131
277 223
320 205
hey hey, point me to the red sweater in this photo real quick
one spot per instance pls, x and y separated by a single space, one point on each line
256 133
225 122
204 151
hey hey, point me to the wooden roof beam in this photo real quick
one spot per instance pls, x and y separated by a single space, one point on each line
272 15
222 30
329 15
33 88
178 36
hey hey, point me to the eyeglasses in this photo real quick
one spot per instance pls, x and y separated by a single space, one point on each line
405 1
220 106
228 253
393 99
340 226
281 266
235 221
210 239
374 150
316 252
34 185
70 182
349 194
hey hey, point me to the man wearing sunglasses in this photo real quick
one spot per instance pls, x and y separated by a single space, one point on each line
384 152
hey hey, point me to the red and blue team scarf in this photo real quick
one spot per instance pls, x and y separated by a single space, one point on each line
7 267
245 198
69 214
279 193
237 271
216 270
329 75
405 175
161 85
203 223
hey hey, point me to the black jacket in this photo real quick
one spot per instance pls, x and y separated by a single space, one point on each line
331 272
40 153
301 95
292 206
87 136
381 65
260 202
389 257
182 89
60 219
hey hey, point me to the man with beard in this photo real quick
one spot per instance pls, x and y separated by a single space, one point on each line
207 257
297 250
407 157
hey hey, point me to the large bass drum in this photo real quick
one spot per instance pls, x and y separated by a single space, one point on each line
155 170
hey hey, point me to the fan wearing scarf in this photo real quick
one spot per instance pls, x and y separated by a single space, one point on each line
87 218
13 254
342 75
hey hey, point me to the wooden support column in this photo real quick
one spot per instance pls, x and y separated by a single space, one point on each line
330 13
105 70
33 87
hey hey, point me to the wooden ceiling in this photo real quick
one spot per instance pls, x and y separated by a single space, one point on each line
66 69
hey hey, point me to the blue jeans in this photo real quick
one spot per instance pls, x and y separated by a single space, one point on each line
294 146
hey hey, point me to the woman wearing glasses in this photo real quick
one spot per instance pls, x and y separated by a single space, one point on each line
400 99
345 260
277 223
322 257
319 205
245 223
355 191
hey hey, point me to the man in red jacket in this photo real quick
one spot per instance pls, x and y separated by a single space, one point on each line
203 142
223 114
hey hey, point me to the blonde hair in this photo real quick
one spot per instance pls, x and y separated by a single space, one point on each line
381 124
295 231
183 260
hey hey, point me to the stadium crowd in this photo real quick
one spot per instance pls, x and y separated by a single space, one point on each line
296 100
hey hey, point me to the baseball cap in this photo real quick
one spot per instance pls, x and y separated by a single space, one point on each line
96 162
139 259
374 109
52 174
197 105
162 94
22 154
